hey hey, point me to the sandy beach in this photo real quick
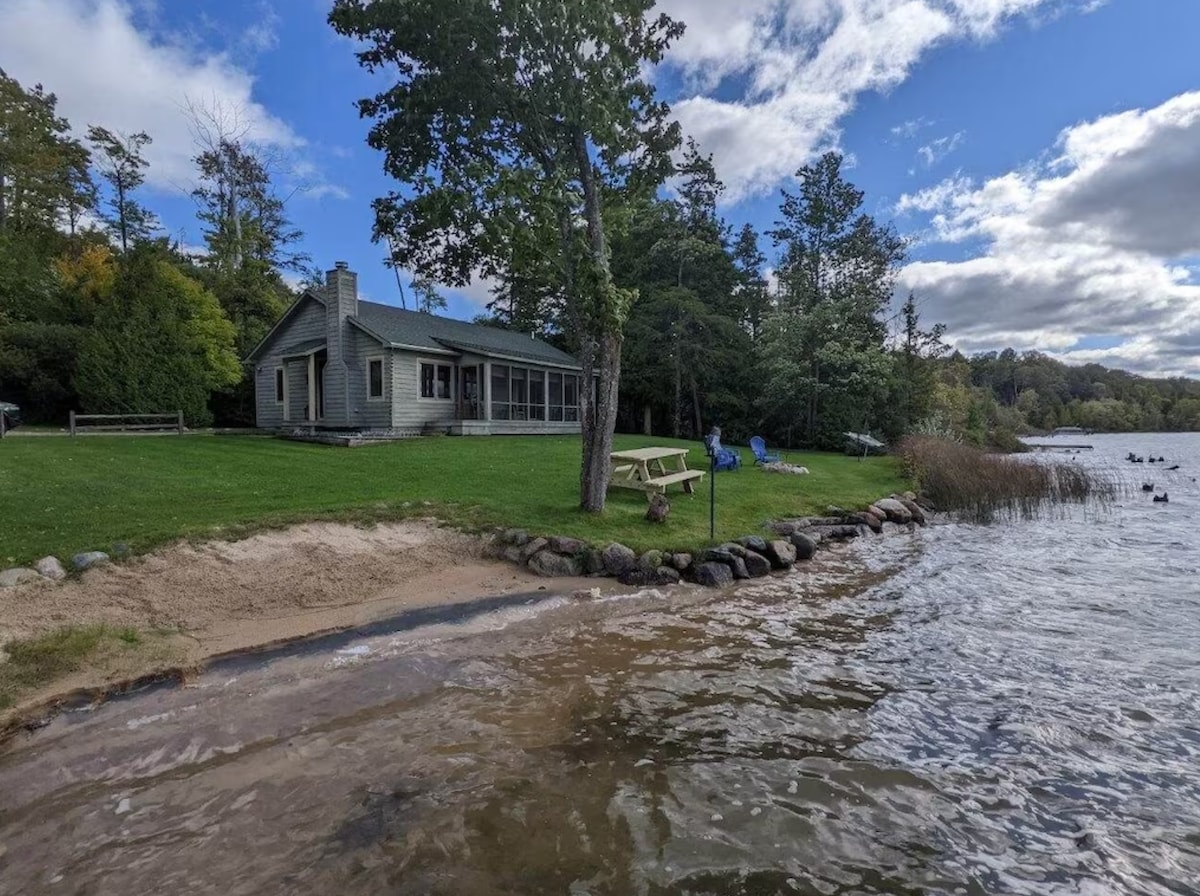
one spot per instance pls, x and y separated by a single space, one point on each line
220 597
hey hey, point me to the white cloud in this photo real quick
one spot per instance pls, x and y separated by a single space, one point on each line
802 64
936 150
1100 241
105 70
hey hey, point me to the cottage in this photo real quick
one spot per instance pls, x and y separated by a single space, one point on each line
334 362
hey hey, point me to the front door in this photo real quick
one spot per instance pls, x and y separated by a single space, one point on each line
322 359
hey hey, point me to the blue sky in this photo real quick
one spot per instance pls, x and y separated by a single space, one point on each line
1043 155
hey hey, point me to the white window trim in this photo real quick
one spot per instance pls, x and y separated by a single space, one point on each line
382 396
275 376
435 365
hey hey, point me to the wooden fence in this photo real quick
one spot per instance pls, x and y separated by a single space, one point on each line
83 423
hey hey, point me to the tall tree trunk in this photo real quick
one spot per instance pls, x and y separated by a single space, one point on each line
696 408
121 217
678 386
601 335
647 420
3 199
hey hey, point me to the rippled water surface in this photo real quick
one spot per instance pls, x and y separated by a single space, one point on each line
1011 709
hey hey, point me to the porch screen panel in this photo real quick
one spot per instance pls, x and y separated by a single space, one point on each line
556 397
519 389
537 395
500 392
571 398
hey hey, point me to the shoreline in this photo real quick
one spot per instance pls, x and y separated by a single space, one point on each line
191 605
169 614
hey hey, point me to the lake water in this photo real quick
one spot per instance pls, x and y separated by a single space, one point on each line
1009 709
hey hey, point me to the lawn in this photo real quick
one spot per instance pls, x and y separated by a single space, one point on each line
65 495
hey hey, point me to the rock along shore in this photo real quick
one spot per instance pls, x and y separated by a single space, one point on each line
751 556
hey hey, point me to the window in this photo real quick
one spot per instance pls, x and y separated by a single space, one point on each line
556 408
375 378
435 381
280 385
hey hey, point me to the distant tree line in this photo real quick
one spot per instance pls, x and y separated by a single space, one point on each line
102 313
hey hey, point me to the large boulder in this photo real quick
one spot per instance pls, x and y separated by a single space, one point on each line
756 565
88 559
837 532
593 562
733 548
681 560
714 574
532 547
516 537
918 515
668 575
804 544
551 565
719 555
644 577
618 559
782 554
512 554
562 544
50 568
870 520
651 560
754 543
785 527
739 568
876 510
895 511
18 575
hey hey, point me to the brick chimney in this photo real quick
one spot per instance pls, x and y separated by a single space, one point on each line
341 293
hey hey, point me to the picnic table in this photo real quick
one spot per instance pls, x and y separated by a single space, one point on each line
646 469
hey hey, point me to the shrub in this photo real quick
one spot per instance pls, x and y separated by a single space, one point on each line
980 486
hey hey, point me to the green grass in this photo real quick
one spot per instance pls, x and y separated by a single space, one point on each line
35 662
62 495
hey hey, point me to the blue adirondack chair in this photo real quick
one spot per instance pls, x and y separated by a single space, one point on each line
761 455
723 458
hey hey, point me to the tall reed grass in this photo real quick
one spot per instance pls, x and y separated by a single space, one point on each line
980 486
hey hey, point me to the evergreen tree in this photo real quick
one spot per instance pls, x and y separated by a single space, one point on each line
121 163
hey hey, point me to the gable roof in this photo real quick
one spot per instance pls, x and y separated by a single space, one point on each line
418 330
284 318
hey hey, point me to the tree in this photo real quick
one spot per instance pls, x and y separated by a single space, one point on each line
160 342
837 274
684 330
752 291
426 297
124 167
523 114
915 383
43 170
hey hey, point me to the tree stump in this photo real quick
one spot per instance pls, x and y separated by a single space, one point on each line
659 508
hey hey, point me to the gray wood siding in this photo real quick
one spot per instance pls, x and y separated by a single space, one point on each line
367 413
307 323
409 409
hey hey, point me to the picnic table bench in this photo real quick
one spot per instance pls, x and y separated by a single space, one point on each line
645 469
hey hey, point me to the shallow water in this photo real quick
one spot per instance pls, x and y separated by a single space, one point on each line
1010 709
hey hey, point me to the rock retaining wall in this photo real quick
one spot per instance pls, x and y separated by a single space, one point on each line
752 556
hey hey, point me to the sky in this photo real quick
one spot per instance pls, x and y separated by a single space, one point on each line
1042 156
